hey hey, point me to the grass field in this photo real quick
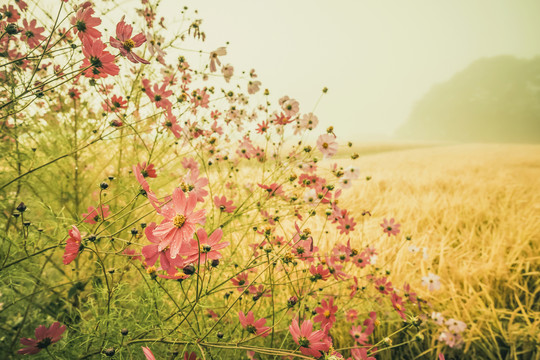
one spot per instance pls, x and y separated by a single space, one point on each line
477 210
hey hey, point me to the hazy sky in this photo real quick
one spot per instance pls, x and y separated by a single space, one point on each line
376 57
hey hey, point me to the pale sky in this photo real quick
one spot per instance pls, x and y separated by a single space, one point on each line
376 57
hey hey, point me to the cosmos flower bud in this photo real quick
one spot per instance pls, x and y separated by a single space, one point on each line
12 29
292 301
189 269
21 207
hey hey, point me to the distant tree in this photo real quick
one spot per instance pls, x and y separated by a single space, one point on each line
493 100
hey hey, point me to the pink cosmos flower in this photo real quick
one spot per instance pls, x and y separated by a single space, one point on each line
309 121
178 227
370 322
326 314
158 94
228 71
383 285
456 326
411 296
137 171
319 273
253 327
223 204
390 227
326 143
44 337
115 103
290 107
207 247
125 43
346 224
432 281
351 315
94 215
151 253
190 356
215 114
438 318
360 336
73 245
214 58
193 184
311 342
97 62
171 123
454 340
32 34
361 354
259 291
262 127
281 119
335 269
21 4
253 87
147 170
397 303
354 287
362 259
190 163
216 128
10 13
241 281
84 24
273 189
199 97
74 94
148 353
154 43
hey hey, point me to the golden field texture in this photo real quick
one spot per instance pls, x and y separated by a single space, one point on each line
477 210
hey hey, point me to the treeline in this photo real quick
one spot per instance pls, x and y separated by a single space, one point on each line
493 100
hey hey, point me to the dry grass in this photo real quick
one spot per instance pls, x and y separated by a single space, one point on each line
477 209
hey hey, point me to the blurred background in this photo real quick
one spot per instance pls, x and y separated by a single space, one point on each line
420 70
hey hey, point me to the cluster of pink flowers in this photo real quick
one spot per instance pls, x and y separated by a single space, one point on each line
190 218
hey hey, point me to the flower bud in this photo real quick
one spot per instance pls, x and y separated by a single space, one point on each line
189 269
21 207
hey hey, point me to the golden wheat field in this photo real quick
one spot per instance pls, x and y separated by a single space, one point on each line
476 208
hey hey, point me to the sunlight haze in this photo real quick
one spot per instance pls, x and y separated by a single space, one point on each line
376 57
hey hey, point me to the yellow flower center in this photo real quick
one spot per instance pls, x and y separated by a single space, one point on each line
179 221
129 44
186 187
325 145
327 313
